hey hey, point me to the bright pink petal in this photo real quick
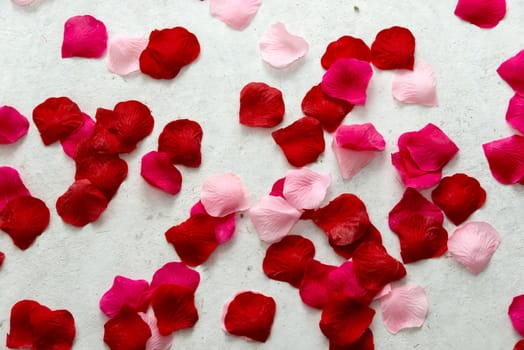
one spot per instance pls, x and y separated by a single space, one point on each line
515 112
123 54
405 306
273 218
11 186
347 79
84 36
159 172
305 188
157 341
279 48
223 194
482 13
351 162
506 159
71 142
417 86
511 71
13 125
473 245
235 13
313 289
411 175
343 280
175 273
360 137
516 314
278 188
224 226
124 291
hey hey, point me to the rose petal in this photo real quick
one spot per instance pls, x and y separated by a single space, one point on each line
174 308
413 203
2 258
346 251
126 331
279 48
515 112
72 142
20 332
511 71
313 289
519 345
224 226
261 105
13 125
345 47
235 13
359 137
84 36
418 86
123 54
52 329
473 245
157 341
482 13
405 306
277 189
343 281
351 162
175 273
305 188
11 186
393 48
410 174
181 139
506 159
516 313
347 79
365 342
124 291
223 194
273 218
158 171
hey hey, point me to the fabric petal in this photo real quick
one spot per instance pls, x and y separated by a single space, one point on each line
11 186
519 345
347 79
123 54
158 171
346 251
351 162
515 112
279 48
506 159
181 139
20 330
224 226
157 341
473 245
413 203
261 105
235 13
223 194
359 137
52 329
393 48
365 342
482 13
175 273
418 86
2 258
343 281
124 291
411 175
511 72
84 36
126 331
313 289
73 141
516 313
345 47
305 188
13 125
406 306
174 308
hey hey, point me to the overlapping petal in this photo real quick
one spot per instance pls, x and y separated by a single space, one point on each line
124 291
273 218
347 79
223 194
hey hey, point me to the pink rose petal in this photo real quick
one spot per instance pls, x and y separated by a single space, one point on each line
511 71
305 188
273 218
13 125
235 13
84 36
156 341
343 280
351 162
417 86
482 13
473 245
515 113
223 194
159 172
347 79
11 186
359 137
506 159
123 54
411 175
124 291
279 48
70 143
313 289
224 226
405 306
175 273
516 314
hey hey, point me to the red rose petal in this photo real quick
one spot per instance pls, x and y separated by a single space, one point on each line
482 13
287 260
329 111
181 140
52 329
174 308
345 47
344 321
167 51
24 219
313 289
346 251
511 71
519 345
459 196
506 159
365 342
393 48
375 268
261 105
11 186
413 203
194 239
2 258
302 142
158 171
224 226
81 204
13 125
21 332
56 118
126 331
250 315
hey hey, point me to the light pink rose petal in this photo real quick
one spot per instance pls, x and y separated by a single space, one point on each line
11 186
343 280
159 172
175 273
406 306
124 291
360 137
224 226
70 143
506 159
223 194
305 188
123 54
13 125
473 245
347 79
515 112
235 13
350 162
482 13
279 48
84 36
511 71
418 86
516 313
273 218
156 341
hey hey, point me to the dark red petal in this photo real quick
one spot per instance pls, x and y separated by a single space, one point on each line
345 47
375 268
24 219
174 308
344 219
302 142
52 330
11 186
287 260
261 105
126 331
519 345
329 111
56 118
365 342
393 48
413 203
21 332
346 251
2 258
459 196
344 321
313 289
167 51
81 204
194 239
181 140
250 315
